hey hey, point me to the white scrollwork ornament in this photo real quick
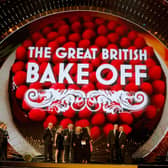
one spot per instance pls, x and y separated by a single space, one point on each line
110 101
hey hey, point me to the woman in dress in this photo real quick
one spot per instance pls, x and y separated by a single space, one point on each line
85 146
59 144
76 142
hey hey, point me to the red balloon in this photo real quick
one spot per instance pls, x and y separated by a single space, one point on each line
98 119
70 113
18 66
36 36
150 63
126 118
69 44
84 44
21 53
127 129
150 112
132 35
52 119
122 30
53 45
102 30
101 41
107 128
61 40
139 42
116 63
112 25
76 27
158 100
112 46
116 87
19 78
112 117
89 25
64 123
101 86
85 113
125 42
88 87
88 34
21 90
95 62
27 43
155 72
147 88
41 42
131 87
43 59
58 23
75 37
99 21
159 86
113 37
46 30
82 123
37 114
63 29
74 19
95 132
137 114
52 36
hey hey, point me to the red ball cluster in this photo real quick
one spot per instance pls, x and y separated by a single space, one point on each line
89 32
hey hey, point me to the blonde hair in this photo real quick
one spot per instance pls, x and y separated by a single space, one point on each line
77 130
88 130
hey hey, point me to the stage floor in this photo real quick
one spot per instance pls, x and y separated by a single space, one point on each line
62 165
21 164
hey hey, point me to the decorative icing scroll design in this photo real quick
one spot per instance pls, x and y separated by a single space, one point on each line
109 101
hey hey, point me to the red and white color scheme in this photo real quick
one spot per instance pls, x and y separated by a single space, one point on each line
91 69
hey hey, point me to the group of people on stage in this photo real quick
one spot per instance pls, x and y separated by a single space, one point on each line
70 145
3 141
75 145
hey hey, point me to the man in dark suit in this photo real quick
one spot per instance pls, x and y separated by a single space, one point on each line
68 133
122 138
48 142
112 143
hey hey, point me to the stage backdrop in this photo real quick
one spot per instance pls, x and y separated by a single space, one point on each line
91 69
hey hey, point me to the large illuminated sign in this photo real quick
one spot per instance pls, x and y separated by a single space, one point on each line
112 101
